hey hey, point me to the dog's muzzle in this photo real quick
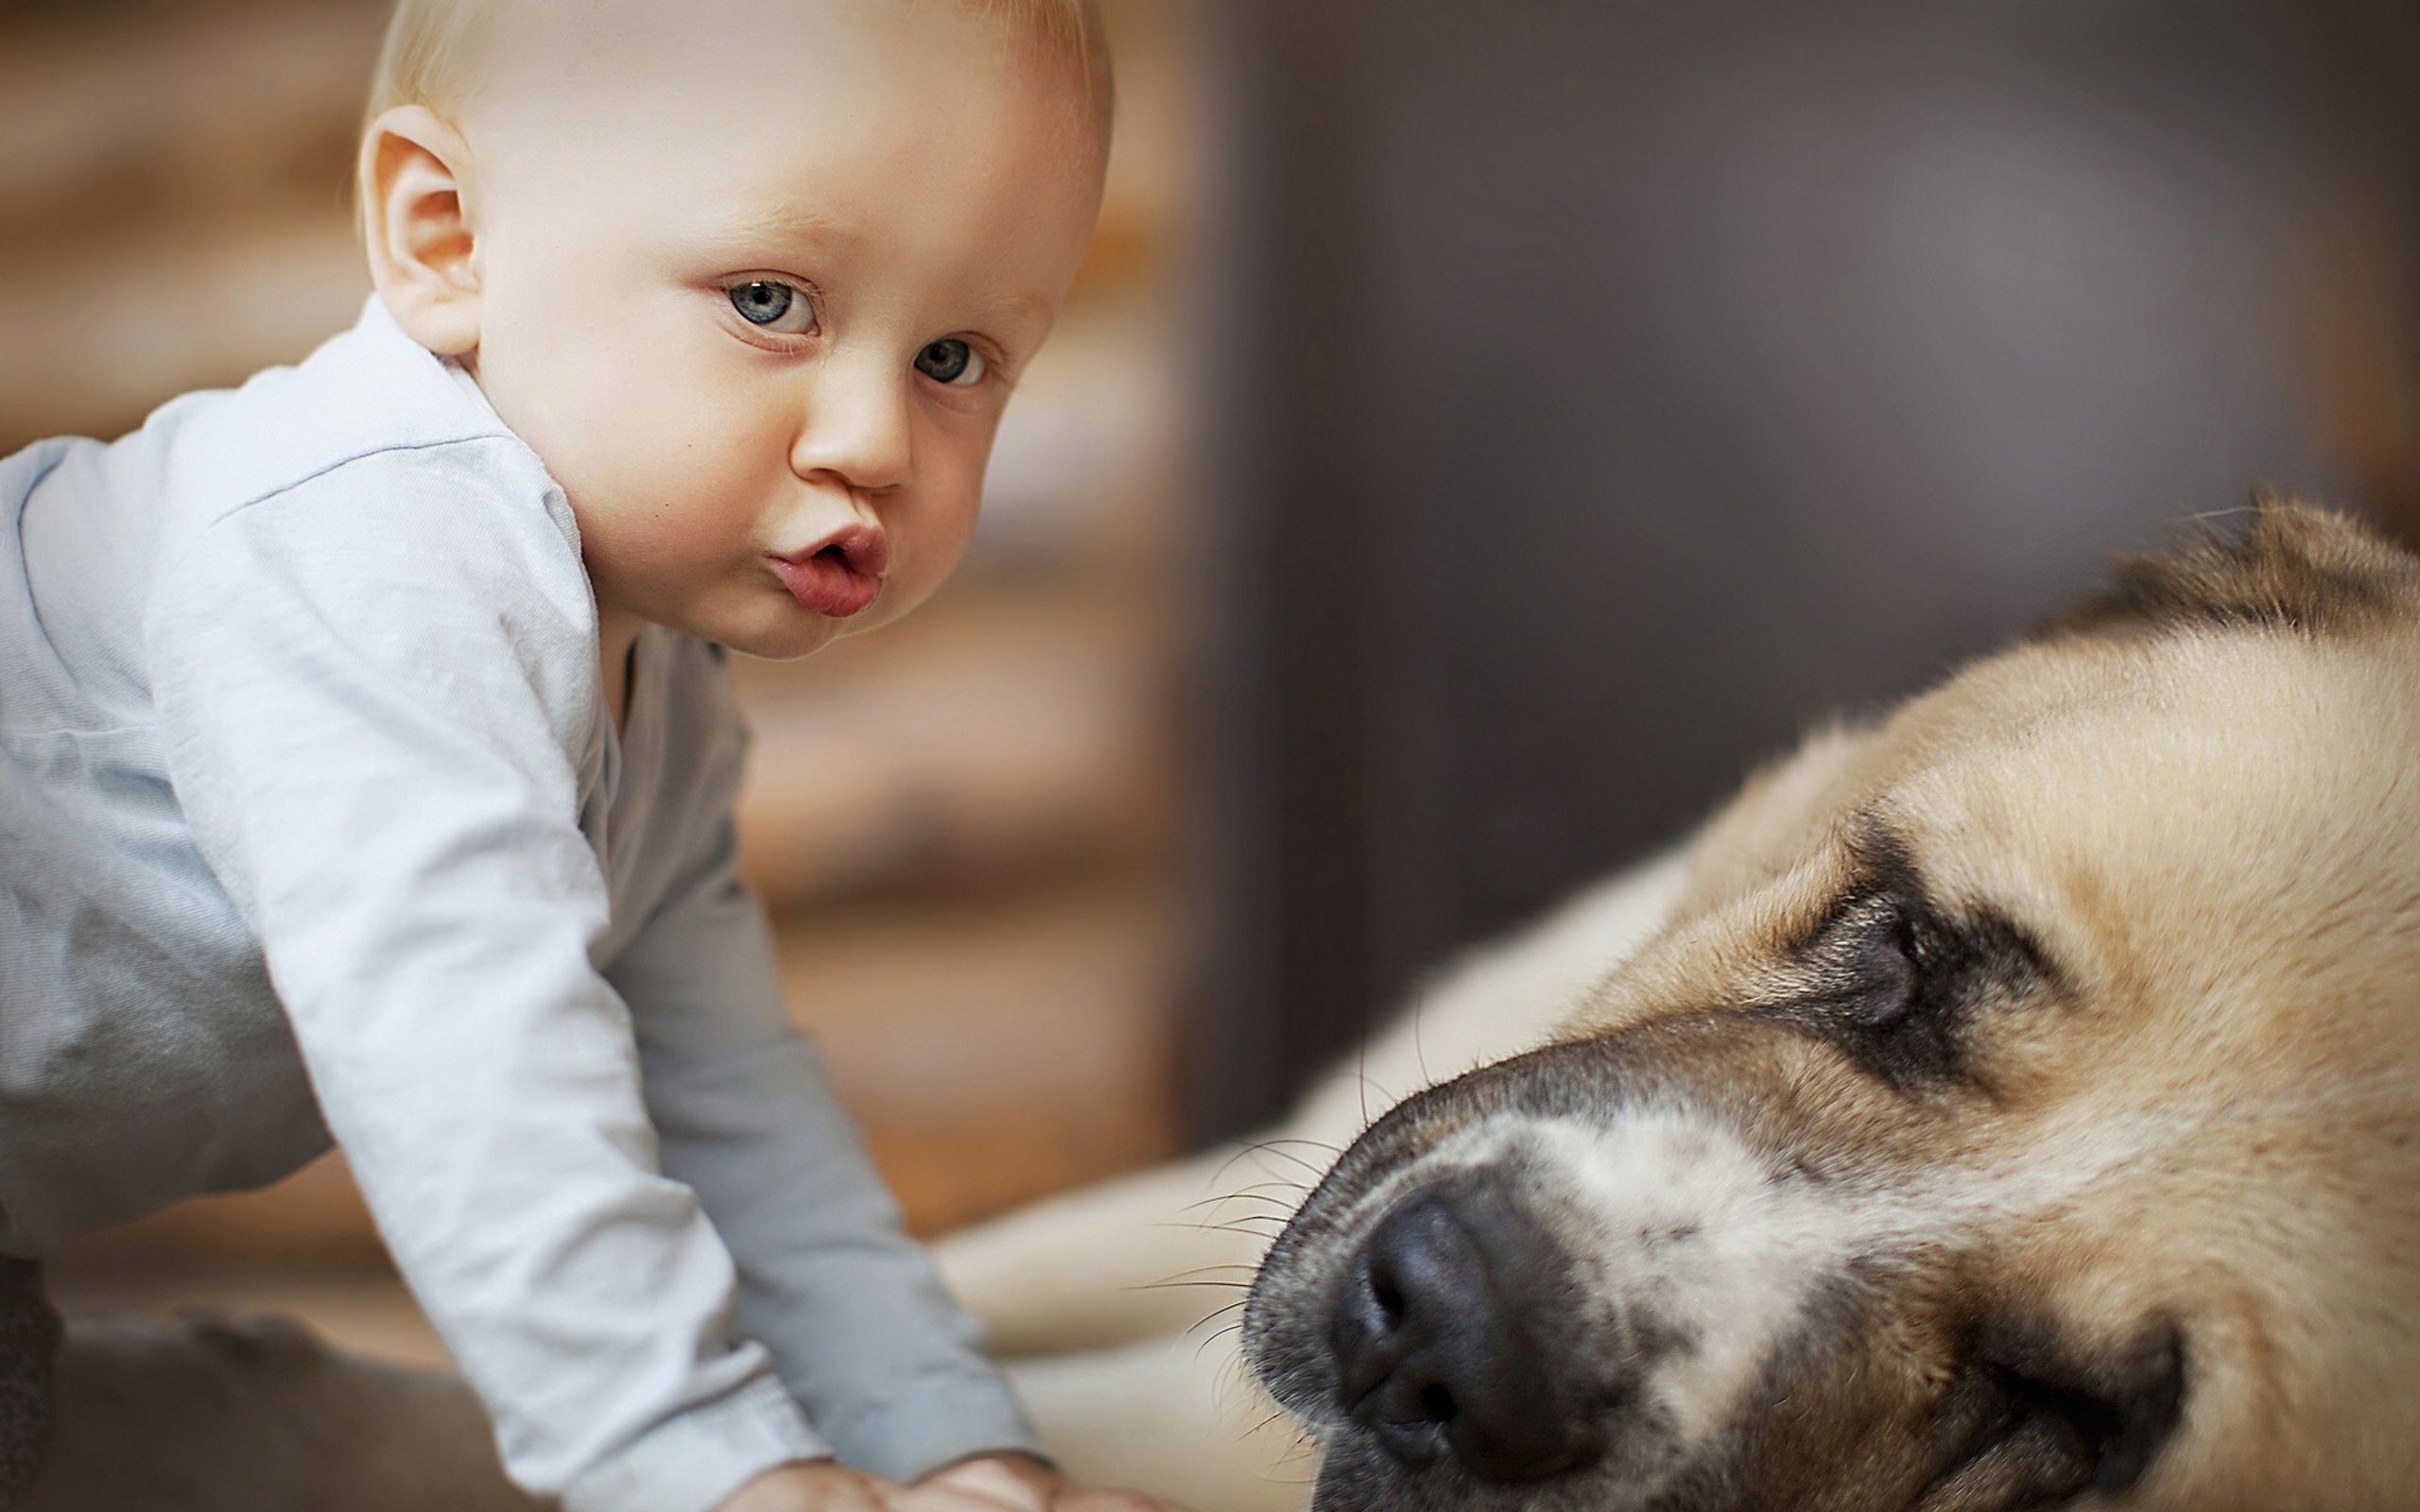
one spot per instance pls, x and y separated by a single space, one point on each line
1449 1336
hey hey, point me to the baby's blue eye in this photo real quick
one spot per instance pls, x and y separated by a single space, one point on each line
951 361
773 306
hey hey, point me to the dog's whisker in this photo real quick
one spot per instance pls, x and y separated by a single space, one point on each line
1275 1140
1262 1190
1204 1347
1212 1318
1243 1195
1275 1183
1308 1165
1231 1226
1279 1147
1200 1270
1268 1147
1279 1215
1212 1225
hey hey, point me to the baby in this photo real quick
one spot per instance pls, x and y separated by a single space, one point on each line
368 752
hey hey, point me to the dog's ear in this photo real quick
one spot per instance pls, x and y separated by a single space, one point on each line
2294 567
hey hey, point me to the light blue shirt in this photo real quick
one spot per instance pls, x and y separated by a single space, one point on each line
312 823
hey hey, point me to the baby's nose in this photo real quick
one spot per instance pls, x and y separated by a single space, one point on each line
858 429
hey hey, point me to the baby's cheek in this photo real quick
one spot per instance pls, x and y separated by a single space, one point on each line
946 513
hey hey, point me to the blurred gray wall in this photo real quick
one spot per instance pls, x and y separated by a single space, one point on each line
1609 388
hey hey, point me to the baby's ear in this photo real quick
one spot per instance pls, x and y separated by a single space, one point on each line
418 227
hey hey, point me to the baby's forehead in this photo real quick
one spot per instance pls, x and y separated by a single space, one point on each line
509 48
536 44
738 74
770 133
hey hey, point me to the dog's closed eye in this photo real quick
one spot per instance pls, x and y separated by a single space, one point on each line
1895 981
1872 961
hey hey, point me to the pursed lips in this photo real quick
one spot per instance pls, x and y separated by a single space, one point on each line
839 574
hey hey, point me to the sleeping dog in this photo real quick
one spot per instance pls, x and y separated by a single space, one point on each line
2013 1104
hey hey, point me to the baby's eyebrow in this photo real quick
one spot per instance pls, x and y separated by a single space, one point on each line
782 222
1022 309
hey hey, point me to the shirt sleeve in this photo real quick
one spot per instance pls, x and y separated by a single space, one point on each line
864 1334
376 690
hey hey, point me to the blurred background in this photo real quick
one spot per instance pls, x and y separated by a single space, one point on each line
1480 434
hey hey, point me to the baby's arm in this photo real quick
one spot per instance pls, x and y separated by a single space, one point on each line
860 1328
375 690
858 1322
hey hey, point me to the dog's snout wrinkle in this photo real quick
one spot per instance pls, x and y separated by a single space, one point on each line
2058 1418
1447 1340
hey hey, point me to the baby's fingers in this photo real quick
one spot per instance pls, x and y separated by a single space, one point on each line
1110 1502
933 1498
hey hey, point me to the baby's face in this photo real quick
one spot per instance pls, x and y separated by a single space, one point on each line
755 284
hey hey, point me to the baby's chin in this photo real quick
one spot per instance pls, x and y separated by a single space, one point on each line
804 635
784 631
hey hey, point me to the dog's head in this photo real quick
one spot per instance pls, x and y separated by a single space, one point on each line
2023 1108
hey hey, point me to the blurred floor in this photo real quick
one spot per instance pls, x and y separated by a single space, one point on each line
970 828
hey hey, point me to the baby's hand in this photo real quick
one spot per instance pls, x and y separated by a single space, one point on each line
1012 1483
821 1486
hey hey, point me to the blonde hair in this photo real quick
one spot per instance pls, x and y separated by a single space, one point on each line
428 53
433 49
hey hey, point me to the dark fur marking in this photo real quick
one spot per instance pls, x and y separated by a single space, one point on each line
1903 973
2292 568
2057 1421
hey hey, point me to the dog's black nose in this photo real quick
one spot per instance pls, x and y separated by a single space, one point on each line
1446 1339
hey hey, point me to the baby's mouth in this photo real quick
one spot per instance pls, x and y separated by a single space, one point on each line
839 574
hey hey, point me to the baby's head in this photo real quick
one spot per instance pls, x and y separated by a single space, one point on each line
753 278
